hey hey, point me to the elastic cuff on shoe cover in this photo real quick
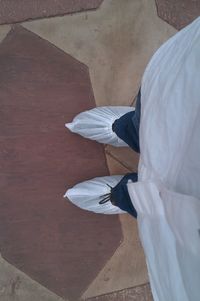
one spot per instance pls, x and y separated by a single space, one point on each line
120 196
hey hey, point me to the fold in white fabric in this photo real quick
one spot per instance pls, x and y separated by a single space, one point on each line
167 196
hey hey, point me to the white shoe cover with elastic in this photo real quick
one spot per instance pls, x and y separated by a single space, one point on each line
88 194
96 124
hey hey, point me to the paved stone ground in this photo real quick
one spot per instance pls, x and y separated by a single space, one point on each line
178 13
12 11
140 293
50 70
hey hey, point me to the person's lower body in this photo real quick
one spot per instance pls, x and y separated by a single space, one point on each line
127 129
127 126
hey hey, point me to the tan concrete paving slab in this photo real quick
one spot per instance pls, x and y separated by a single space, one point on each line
115 167
4 31
140 293
127 267
115 42
17 286
125 155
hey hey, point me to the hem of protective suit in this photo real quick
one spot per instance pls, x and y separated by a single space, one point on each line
145 194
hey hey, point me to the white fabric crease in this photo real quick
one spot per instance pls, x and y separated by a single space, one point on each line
167 195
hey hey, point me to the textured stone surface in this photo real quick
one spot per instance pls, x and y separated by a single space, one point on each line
125 155
140 293
115 167
12 11
4 29
115 41
44 235
127 267
16 286
178 13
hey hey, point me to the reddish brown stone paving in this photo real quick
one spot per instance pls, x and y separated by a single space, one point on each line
12 11
178 13
44 235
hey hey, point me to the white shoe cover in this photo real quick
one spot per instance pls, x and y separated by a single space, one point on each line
87 194
96 124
